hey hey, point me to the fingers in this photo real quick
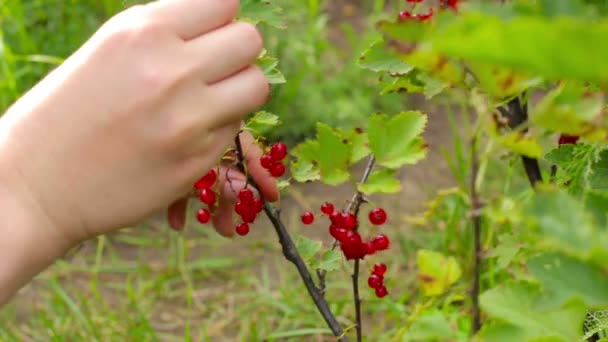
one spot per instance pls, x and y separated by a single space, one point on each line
176 214
230 183
266 183
226 51
237 96
191 18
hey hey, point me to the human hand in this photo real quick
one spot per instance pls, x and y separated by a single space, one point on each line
230 182
130 121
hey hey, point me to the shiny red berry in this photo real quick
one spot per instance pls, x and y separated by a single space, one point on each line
266 161
349 221
379 269
381 292
207 180
381 242
426 16
375 281
240 208
370 249
278 151
277 170
377 216
203 216
404 15
249 215
242 229
246 195
565 139
207 196
337 232
327 208
257 205
308 217
336 218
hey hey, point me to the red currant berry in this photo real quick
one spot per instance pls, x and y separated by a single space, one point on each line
565 139
381 242
240 208
207 196
336 218
203 216
404 15
377 216
242 229
258 205
375 281
207 180
308 217
266 161
379 269
337 232
349 221
248 216
327 208
246 195
278 151
370 249
426 16
381 292
277 170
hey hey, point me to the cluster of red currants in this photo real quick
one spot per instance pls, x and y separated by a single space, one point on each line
376 280
248 207
407 14
343 227
273 161
206 195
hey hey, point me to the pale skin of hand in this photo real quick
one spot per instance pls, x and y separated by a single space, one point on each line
124 127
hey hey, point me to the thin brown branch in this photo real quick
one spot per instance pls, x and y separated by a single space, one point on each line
476 220
290 253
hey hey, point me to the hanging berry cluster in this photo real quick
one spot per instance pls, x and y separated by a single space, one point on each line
344 228
248 207
206 195
273 161
410 15
376 280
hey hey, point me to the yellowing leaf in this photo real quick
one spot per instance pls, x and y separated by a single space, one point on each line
436 272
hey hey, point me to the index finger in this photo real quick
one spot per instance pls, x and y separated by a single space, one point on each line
192 18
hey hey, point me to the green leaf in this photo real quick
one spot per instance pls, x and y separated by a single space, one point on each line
360 144
506 250
270 67
377 58
326 158
566 278
397 140
436 272
515 304
520 144
307 248
262 11
261 122
330 260
431 327
415 81
383 181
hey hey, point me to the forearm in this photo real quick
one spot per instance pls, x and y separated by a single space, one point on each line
28 242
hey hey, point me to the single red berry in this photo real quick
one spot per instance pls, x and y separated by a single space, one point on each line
266 161
379 269
336 218
249 215
377 216
308 217
381 242
277 170
327 208
375 281
207 180
257 205
404 15
349 221
426 16
337 232
381 292
370 249
207 196
450 3
565 139
242 229
203 216
246 195
240 208
278 151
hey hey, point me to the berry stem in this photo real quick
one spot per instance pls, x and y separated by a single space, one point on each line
291 254
476 207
